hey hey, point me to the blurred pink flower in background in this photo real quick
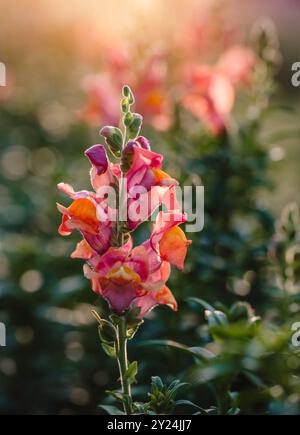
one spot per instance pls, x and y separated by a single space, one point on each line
148 76
211 90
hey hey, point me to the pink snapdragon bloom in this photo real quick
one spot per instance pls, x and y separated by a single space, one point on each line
211 97
102 104
127 276
237 63
211 93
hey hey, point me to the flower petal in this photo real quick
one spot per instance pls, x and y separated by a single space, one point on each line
173 247
68 190
83 251
81 215
94 277
153 299
163 223
98 158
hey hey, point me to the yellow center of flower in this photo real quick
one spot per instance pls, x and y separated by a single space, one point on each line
122 275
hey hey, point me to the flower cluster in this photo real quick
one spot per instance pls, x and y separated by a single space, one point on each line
127 276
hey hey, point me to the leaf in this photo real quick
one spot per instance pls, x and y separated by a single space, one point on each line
173 389
197 352
120 397
216 318
156 380
254 379
111 410
109 349
201 302
133 328
234 411
116 394
131 373
240 311
193 405
107 332
202 353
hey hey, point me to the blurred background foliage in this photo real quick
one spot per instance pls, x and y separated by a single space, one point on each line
245 263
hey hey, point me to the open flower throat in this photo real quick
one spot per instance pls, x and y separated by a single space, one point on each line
127 276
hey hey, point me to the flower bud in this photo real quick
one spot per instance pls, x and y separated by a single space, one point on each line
143 142
114 139
127 93
133 122
129 149
125 106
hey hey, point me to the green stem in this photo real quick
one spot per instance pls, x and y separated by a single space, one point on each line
123 363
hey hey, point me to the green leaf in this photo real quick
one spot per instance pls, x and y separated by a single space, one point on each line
111 410
193 405
110 350
201 353
240 311
120 397
197 352
254 379
201 302
131 373
133 328
234 411
107 332
173 389
216 318
156 380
